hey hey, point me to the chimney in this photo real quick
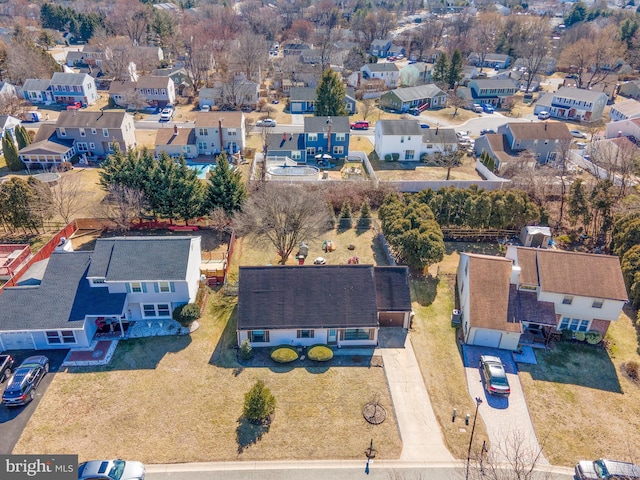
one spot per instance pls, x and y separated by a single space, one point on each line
284 137
619 133
175 130
329 135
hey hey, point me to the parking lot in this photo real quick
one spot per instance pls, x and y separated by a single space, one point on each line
14 419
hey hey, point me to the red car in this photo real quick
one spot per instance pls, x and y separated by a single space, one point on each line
360 125
74 106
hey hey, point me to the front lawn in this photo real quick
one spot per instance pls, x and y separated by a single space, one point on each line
582 403
178 399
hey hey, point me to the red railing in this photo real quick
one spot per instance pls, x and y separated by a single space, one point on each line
42 254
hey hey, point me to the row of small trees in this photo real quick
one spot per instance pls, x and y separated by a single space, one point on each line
475 208
142 185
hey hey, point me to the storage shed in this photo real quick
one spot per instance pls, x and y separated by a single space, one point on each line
534 236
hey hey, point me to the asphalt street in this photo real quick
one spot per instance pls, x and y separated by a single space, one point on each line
328 470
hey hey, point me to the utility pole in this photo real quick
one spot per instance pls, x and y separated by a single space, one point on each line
473 428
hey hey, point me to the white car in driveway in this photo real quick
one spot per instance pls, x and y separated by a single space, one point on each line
167 113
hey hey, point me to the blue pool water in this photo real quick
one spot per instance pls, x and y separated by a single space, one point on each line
202 170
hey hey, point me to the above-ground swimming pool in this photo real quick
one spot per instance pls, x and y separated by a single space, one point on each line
301 173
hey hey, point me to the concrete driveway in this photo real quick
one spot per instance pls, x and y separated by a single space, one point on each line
14 419
507 418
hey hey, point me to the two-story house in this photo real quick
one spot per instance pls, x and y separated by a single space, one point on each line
414 74
213 133
327 135
388 72
401 138
287 145
380 48
71 295
573 104
88 134
303 100
159 91
537 291
422 97
68 88
407 141
624 110
490 91
37 90
237 94
545 141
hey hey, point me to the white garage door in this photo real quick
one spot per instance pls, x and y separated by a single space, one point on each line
17 341
296 107
487 338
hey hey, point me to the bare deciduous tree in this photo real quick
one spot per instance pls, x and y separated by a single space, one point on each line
122 205
533 47
67 195
283 216
366 107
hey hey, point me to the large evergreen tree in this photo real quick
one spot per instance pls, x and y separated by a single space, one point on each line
11 153
454 69
22 137
226 190
440 69
330 95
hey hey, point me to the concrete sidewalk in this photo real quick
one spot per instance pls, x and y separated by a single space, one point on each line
419 430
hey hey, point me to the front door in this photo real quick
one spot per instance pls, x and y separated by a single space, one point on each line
332 336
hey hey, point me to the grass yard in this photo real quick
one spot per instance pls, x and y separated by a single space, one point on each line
440 361
582 403
248 252
398 171
178 399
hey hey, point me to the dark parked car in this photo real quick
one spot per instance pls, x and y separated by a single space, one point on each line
22 387
6 365
484 131
495 378
606 469
111 470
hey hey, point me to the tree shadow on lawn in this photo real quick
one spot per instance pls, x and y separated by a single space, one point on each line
483 248
575 364
248 434
140 353
225 353
424 290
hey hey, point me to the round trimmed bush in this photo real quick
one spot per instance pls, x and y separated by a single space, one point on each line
320 353
593 338
580 336
284 354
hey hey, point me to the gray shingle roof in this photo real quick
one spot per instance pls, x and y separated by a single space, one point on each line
140 258
414 93
494 84
382 67
313 296
579 94
62 300
392 288
319 124
306 94
36 85
400 127
286 141
60 78
86 119
439 135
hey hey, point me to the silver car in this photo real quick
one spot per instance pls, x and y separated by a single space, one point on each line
111 470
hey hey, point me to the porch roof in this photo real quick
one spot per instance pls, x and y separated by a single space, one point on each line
525 307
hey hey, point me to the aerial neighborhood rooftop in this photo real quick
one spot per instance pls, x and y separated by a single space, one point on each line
304 237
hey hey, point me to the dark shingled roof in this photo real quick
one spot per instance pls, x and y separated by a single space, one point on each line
62 300
319 124
140 258
285 141
392 289
313 296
